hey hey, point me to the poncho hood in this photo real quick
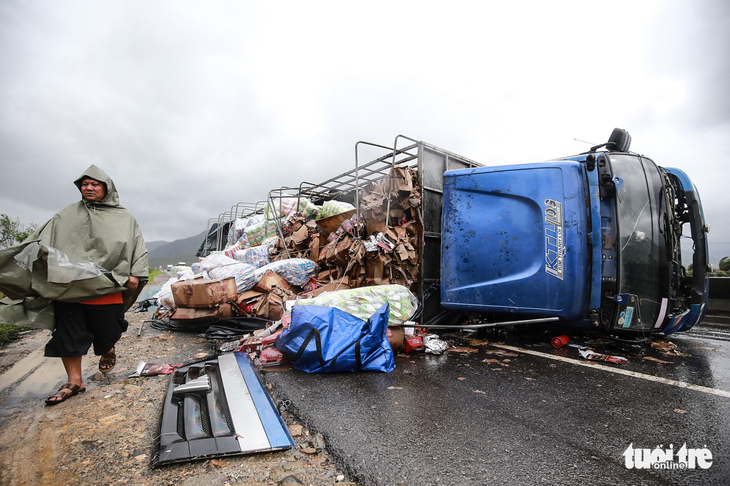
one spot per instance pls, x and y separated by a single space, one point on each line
86 250
112 196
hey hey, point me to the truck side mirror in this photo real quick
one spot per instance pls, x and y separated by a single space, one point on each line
619 141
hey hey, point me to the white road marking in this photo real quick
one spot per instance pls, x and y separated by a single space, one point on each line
619 371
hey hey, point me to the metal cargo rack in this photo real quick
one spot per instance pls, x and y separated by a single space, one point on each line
430 163
217 228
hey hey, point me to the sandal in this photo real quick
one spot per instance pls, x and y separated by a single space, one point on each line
64 393
108 361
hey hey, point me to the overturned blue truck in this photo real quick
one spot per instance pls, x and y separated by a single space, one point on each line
587 242
593 240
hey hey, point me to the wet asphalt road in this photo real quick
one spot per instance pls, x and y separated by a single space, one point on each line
522 412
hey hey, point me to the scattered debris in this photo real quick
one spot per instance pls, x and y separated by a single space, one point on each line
434 345
153 369
296 430
463 350
560 341
478 342
593 356
679 410
666 347
414 343
502 353
656 360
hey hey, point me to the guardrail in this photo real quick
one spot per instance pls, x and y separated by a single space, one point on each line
718 302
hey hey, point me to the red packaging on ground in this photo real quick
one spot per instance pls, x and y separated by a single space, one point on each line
414 343
560 341
270 357
270 339
593 356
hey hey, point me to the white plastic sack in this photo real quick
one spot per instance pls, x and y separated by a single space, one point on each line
296 271
256 234
330 208
239 225
258 256
212 261
288 205
244 274
164 295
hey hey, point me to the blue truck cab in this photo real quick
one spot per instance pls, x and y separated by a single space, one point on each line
592 240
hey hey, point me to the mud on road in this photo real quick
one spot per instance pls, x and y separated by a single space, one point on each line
107 434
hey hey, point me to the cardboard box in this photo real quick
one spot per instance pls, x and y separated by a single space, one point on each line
201 293
226 310
271 306
396 337
329 288
247 301
270 280
188 314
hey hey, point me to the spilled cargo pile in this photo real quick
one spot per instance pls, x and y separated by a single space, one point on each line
296 253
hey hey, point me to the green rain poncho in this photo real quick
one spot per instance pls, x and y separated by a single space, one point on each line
86 250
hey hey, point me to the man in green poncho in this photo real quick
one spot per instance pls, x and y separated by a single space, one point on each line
77 274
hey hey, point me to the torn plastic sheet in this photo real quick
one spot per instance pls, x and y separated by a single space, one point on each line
33 275
60 268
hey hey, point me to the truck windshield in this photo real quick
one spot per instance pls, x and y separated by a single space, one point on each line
642 246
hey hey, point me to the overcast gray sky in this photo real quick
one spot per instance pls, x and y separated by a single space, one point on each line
193 106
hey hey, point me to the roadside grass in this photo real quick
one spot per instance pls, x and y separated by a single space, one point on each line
153 274
9 333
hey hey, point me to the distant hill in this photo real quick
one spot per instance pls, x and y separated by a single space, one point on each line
176 251
153 245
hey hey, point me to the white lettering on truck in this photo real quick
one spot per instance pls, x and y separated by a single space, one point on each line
554 249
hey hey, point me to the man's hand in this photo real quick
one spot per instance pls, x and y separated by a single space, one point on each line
132 283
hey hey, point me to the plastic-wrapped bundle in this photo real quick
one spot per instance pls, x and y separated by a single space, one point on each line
244 274
212 261
363 302
256 234
164 295
240 224
296 271
179 270
258 256
230 251
330 208
286 206
190 275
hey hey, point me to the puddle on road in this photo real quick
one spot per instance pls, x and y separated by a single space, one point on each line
45 375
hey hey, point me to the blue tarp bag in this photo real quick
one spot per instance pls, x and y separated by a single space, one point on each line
328 340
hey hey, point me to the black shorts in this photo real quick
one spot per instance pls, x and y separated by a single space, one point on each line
78 326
